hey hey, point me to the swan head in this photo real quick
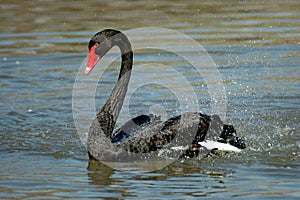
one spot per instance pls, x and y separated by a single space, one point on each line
99 45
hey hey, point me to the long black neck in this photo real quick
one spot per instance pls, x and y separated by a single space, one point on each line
109 113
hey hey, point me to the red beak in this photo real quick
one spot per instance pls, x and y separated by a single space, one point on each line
92 60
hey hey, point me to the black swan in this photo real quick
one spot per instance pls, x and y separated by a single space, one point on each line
145 133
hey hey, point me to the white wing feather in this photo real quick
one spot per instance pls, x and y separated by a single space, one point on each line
210 145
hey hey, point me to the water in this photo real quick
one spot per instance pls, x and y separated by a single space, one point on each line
255 45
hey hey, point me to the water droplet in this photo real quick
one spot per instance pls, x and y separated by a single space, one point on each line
269 144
